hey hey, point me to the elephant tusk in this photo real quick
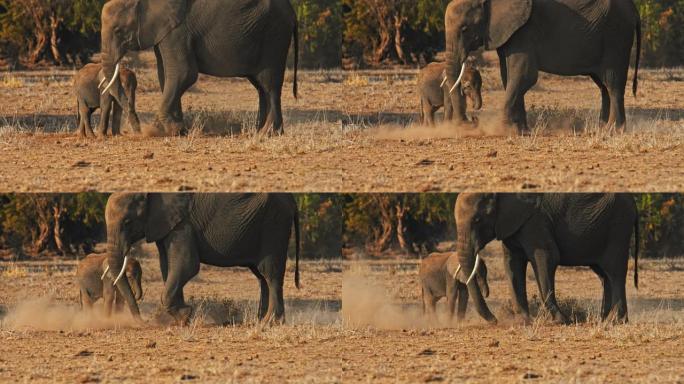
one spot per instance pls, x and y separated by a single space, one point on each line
123 270
458 269
458 81
101 82
443 80
105 272
477 265
114 77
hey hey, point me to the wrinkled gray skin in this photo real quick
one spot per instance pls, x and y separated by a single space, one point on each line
436 282
89 98
434 95
564 37
92 286
225 230
548 230
237 38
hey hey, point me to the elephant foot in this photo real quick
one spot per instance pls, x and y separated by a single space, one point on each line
560 319
165 127
182 315
270 132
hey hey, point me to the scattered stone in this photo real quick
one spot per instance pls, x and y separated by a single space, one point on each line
183 187
426 352
151 344
493 344
425 162
148 155
531 376
431 378
492 153
527 185
89 378
187 376
83 353
80 164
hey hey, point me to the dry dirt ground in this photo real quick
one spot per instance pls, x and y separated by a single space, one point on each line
348 131
46 339
389 340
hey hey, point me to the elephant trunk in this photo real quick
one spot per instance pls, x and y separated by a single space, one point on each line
137 287
477 101
470 262
117 260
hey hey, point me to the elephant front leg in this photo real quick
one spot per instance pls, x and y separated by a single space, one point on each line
462 301
106 102
183 265
545 261
458 106
522 74
116 118
515 267
180 73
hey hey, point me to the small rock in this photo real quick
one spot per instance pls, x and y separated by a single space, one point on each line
527 185
531 375
492 153
433 378
148 155
426 352
493 344
89 378
184 187
151 344
187 376
80 164
84 352
425 162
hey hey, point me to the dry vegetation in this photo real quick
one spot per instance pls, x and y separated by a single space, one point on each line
349 131
388 339
45 338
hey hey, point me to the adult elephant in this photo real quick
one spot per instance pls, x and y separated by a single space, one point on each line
548 230
563 37
224 38
225 230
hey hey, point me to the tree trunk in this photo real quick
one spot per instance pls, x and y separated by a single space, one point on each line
398 39
55 21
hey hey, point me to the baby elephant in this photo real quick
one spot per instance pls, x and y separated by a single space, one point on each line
96 281
436 282
434 91
88 86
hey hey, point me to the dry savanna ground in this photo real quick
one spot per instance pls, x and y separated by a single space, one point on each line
348 131
45 338
389 340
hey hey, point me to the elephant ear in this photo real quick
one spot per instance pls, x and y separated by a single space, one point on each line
164 212
506 17
512 211
156 18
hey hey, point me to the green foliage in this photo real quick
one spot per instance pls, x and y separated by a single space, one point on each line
62 223
49 31
320 220
413 223
663 30
320 32
661 224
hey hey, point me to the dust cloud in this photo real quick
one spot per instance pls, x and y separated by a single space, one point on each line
487 126
44 314
367 303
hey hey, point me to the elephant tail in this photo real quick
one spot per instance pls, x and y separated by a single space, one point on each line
635 83
295 37
636 251
296 228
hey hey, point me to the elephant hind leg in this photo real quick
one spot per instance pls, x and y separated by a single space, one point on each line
272 84
605 98
275 310
263 103
607 298
264 292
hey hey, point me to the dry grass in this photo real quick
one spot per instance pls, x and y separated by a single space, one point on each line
348 131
